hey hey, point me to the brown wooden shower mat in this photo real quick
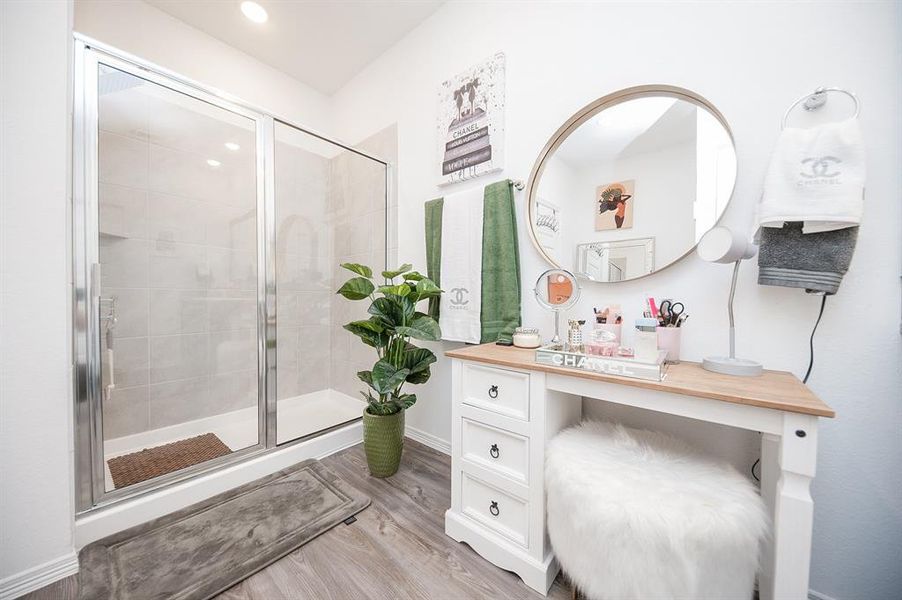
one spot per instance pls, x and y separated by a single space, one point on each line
136 467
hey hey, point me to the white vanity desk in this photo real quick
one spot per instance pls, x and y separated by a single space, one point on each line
506 408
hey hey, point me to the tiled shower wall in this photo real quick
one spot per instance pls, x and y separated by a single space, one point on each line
178 252
360 237
303 272
179 255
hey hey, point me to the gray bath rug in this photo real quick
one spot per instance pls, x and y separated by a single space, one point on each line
206 548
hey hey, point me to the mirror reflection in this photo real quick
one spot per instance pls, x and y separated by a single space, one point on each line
632 186
557 289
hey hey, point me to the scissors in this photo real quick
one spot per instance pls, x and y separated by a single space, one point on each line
670 312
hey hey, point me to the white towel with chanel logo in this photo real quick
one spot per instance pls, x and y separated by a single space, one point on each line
461 304
817 176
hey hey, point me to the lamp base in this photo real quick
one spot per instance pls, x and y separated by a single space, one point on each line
732 366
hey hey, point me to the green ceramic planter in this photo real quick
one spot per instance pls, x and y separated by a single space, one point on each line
383 442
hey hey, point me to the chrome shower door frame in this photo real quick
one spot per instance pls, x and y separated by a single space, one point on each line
90 487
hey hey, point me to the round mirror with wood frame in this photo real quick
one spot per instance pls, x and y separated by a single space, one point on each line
630 183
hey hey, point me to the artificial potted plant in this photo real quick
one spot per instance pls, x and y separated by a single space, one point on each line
394 322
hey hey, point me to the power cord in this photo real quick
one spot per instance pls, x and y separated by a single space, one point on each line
811 339
810 363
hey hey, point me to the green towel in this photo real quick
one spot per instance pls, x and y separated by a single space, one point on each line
500 313
434 249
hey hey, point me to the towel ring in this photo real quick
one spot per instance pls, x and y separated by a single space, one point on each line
818 99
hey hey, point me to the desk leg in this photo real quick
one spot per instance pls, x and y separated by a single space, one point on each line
788 465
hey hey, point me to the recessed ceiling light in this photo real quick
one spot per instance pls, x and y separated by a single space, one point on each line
254 12
232 146
213 162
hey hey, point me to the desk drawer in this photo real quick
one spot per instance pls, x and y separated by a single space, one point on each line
497 510
501 451
498 390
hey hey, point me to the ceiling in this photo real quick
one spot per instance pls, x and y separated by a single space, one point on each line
321 43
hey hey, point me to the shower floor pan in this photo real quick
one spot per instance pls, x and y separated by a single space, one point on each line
296 417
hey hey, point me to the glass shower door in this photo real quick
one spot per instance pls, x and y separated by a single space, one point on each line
177 222
330 208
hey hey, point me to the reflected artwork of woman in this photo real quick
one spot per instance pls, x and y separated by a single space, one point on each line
614 211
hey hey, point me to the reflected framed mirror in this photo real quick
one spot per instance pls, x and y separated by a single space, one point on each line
630 183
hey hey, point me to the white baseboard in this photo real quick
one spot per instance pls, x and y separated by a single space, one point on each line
37 577
818 596
427 439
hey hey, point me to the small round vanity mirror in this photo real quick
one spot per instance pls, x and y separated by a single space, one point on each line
558 290
631 183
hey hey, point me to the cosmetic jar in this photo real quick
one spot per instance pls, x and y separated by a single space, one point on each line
527 337
602 342
613 328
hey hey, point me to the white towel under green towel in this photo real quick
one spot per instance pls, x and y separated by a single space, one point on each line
473 254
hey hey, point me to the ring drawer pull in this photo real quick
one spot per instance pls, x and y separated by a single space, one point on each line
493 508
493 392
493 451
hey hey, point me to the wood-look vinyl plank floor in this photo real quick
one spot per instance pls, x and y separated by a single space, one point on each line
397 548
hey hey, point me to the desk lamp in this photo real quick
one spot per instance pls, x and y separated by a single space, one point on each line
722 245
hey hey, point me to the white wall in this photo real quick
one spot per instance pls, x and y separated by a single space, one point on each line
751 60
155 36
665 189
36 492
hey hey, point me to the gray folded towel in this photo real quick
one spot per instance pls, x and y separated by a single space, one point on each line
813 261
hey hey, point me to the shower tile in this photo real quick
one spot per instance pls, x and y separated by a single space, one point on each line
230 227
361 354
313 374
393 227
126 412
123 263
122 160
288 346
232 351
315 274
176 219
184 174
340 342
232 269
354 236
287 385
123 211
343 377
179 401
131 310
233 391
174 357
175 265
288 272
232 310
377 218
287 309
313 308
177 311
130 362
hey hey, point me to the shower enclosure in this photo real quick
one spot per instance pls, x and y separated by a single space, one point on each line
207 235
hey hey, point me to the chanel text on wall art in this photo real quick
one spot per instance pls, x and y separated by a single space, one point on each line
471 122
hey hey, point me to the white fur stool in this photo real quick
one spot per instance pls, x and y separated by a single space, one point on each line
639 514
